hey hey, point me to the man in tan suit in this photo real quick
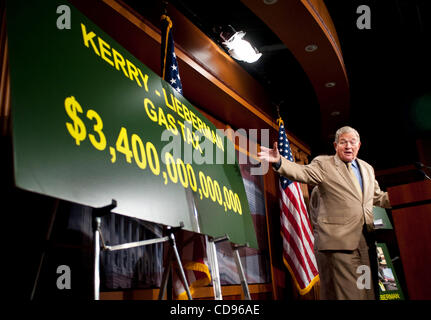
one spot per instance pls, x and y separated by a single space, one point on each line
343 203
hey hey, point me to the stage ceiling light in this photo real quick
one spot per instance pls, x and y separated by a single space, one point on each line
241 49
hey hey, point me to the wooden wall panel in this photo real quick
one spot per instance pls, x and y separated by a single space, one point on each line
413 230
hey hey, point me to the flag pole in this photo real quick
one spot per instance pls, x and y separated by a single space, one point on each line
164 7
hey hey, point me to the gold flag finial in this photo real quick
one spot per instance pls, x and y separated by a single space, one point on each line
279 120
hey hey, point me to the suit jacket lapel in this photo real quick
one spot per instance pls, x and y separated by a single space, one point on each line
344 172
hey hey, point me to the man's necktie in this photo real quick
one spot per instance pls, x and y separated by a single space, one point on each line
354 178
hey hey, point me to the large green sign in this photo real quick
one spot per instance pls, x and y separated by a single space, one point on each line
91 123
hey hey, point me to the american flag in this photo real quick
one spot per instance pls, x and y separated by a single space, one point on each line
170 71
192 246
296 231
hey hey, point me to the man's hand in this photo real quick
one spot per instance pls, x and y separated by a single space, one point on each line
269 155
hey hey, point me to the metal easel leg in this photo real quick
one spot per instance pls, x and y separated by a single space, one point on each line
48 237
97 259
213 261
173 251
241 273
180 265
166 274
97 219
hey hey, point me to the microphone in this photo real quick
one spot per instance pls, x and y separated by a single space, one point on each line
420 166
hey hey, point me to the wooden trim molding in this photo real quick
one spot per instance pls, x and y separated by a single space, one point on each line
200 293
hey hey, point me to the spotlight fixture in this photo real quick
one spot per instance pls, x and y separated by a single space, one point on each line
241 49
330 84
335 113
311 48
269 1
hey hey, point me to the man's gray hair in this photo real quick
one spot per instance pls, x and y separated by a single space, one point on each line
344 130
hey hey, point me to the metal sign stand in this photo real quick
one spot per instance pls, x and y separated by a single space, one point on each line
98 213
213 262
47 239
173 250
99 243
215 272
241 272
